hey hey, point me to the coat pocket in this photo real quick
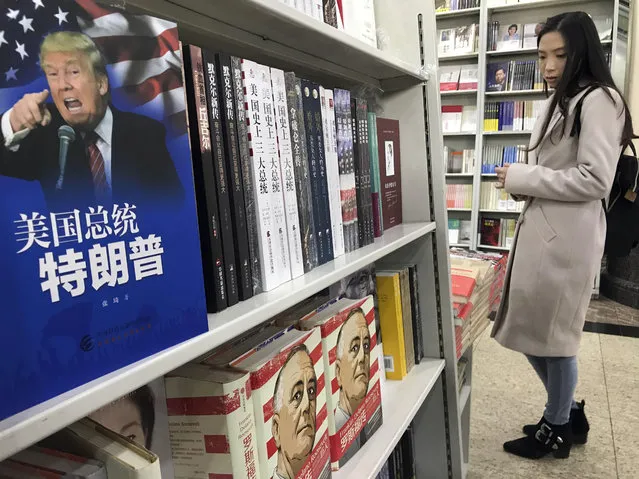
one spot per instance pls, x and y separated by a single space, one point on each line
544 229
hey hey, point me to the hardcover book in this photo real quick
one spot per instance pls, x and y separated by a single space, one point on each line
390 171
288 383
212 424
497 76
350 355
99 227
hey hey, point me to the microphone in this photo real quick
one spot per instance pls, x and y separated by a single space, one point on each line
66 134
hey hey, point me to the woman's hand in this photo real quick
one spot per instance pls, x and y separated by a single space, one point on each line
501 176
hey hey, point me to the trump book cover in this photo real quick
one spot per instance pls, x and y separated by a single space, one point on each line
99 248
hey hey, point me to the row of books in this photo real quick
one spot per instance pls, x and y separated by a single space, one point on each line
498 232
287 174
459 231
515 36
458 41
459 161
514 75
355 17
401 462
511 115
493 199
278 401
455 5
459 196
458 78
498 155
459 118
477 281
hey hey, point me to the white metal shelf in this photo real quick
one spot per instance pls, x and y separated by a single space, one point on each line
526 51
458 56
459 245
464 12
400 402
464 395
515 93
500 212
27 427
459 93
493 248
460 210
459 133
459 175
507 133
534 5
279 35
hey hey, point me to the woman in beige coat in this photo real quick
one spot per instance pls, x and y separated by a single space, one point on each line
560 235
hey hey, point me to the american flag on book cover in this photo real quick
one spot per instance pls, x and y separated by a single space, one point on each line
145 74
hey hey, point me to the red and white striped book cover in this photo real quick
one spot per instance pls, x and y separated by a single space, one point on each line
211 423
39 460
351 361
287 380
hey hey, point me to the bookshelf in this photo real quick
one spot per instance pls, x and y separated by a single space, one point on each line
277 35
518 13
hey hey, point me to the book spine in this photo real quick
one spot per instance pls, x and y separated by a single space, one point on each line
275 178
391 324
332 170
357 164
330 12
378 224
260 157
301 170
223 195
247 178
317 167
204 180
221 64
348 193
365 162
282 122
418 329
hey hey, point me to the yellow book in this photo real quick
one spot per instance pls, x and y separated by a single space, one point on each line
391 324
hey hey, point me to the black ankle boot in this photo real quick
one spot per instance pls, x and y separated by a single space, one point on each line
580 425
549 438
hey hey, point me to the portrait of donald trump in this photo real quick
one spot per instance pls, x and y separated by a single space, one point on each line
70 137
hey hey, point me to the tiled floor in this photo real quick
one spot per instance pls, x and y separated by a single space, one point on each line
507 394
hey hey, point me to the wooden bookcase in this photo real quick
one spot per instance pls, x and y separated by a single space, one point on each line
272 33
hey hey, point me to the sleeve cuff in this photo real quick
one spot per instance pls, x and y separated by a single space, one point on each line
516 179
11 139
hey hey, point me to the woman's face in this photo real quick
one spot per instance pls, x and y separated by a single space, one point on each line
552 57
122 417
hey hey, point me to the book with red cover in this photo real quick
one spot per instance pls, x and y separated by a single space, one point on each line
390 171
490 232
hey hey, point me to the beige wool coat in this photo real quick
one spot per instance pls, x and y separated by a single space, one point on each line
560 234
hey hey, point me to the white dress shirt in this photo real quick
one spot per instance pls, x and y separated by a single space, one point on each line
104 130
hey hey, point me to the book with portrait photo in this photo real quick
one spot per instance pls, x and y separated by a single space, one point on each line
509 36
98 204
351 361
288 384
497 76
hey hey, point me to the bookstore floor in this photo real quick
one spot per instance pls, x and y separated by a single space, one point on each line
506 393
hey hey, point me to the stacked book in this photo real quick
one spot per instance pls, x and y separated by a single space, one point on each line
493 199
458 78
511 115
459 196
497 232
496 156
458 41
476 280
459 161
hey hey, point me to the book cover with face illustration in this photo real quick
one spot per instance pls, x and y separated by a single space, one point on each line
351 352
288 382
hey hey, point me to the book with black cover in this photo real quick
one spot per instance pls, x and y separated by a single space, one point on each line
204 179
359 118
301 166
234 172
247 177
221 181
317 163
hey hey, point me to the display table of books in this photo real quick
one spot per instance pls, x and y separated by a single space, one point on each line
477 281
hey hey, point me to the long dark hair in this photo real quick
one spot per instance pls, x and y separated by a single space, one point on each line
586 67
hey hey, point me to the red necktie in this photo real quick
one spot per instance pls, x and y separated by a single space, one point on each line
96 163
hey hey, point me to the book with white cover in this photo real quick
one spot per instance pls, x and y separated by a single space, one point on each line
358 18
449 78
122 457
273 240
332 169
288 381
469 77
287 172
59 462
211 423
